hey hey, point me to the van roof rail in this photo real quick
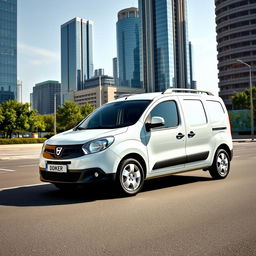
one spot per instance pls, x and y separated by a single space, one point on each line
183 90
124 95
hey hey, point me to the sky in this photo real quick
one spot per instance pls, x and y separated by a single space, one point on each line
39 37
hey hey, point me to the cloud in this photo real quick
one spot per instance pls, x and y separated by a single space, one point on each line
37 55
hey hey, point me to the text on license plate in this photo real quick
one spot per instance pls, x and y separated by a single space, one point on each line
56 168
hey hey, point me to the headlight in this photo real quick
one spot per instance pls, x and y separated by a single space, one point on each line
43 147
98 145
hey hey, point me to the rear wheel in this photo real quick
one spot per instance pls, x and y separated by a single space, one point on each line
221 165
130 178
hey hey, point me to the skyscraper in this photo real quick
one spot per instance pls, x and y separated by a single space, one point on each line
76 54
8 49
115 71
99 72
43 96
19 91
192 81
236 39
128 48
164 45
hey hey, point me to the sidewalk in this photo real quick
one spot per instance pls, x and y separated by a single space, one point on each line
242 138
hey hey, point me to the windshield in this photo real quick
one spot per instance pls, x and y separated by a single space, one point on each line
114 115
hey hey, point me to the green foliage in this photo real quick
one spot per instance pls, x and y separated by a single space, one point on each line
86 109
22 141
9 117
68 115
49 122
1 115
17 117
242 100
36 122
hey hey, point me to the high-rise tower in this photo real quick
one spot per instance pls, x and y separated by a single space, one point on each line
128 48
8 50
236 39
76 54
164 44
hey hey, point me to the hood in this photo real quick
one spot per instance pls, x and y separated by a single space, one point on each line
72 137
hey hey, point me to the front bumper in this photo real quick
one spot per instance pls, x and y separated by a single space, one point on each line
92 175
82 169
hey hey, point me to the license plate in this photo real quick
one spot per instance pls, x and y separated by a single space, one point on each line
56 168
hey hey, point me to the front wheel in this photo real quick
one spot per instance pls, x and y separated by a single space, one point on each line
130 178
221 165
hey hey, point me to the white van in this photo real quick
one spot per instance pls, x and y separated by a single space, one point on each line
139 137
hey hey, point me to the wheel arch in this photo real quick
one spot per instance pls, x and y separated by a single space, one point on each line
227 149
139 158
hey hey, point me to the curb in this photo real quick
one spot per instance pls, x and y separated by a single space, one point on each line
243 140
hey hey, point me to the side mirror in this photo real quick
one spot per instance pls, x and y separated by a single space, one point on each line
156 121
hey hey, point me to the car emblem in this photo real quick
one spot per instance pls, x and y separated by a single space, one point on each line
58 151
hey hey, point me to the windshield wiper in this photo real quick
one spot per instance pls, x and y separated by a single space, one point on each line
101 127
79 128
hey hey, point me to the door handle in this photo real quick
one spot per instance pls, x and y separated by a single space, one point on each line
180 136
191 134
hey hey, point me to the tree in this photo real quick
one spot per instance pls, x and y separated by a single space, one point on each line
241 100
1 115
36 122
17 117
49 122
68 116
8 123
86 109
22 117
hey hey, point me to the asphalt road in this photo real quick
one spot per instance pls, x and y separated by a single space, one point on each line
188 214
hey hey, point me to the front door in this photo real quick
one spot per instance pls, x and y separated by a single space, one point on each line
166 144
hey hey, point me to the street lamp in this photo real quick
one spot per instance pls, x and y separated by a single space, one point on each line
251 99
55 107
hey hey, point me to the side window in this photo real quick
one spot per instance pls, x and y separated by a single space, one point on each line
215 110
167 110
194 112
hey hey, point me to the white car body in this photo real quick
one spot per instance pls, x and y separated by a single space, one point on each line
160 151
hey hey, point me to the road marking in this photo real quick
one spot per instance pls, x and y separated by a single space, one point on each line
27 165
11 157
7 170
24 186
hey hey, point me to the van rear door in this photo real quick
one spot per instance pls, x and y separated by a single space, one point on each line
199 142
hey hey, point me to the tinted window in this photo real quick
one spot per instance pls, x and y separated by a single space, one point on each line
168 111
194 112
117 114
215 110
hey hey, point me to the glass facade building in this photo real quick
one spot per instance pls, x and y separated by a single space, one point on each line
8 49
128 48
43 97
76 54
183 69
164 45
115 70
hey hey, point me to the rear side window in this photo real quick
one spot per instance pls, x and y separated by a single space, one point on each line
216 111
194 112
167 110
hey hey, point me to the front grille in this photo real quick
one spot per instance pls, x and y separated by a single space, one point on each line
62 177
67 152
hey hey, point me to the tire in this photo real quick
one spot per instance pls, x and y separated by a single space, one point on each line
130 177
221 165
65 187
